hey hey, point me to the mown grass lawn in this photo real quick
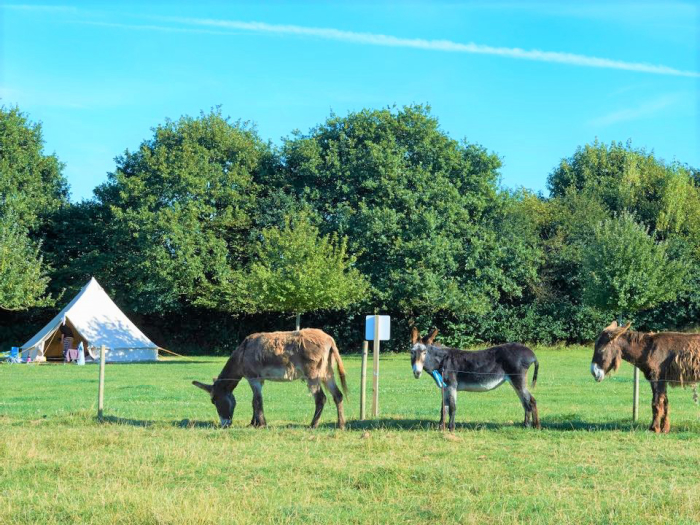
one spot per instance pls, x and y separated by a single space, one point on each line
160 458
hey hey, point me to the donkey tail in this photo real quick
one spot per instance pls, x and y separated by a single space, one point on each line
534 376
339 364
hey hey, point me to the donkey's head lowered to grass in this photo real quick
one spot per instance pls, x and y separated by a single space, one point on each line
222 398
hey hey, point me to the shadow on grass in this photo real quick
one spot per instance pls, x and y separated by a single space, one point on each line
574 424
404 425
192 423
114 420
145 423
412 425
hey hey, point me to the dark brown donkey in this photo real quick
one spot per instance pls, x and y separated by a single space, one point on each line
279 356
478 371
667 358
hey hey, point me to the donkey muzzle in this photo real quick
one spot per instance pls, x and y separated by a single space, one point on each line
597 372
417 371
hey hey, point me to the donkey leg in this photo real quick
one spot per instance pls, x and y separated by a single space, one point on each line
657 389
519 384
319 397
258 414
451 393
338 398
665 419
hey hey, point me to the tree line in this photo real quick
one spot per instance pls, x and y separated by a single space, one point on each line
207 233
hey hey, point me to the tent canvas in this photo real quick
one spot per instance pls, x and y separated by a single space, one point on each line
95 320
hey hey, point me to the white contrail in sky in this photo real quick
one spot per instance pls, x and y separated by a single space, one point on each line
437 45
377 39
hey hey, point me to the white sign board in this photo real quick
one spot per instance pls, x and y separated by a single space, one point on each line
384 328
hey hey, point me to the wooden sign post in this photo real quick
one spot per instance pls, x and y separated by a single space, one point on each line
101 386
363 381
375 382
377 328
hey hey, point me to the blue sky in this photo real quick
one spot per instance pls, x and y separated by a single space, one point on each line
529 81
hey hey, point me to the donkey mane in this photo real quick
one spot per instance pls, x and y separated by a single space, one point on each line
637 337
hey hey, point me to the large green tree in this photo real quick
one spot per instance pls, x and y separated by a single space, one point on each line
600 182
32 187
181 210
620 177
411 200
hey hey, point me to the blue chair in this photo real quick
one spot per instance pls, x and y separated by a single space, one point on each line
14 355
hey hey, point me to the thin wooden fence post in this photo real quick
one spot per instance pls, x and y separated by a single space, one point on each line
375 382
363 381
635 396
101 386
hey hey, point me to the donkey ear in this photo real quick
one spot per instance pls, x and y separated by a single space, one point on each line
415 335
208 388
611 326
617 333
431 337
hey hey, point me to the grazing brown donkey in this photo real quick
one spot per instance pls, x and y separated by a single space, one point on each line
666 358
478 371
279 356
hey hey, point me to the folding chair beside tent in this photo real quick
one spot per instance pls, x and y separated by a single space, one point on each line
10 357
95 321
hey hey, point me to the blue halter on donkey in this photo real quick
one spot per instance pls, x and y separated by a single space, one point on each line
439 381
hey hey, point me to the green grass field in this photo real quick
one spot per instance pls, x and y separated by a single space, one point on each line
159 458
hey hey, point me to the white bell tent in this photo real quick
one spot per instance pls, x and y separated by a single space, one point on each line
94 320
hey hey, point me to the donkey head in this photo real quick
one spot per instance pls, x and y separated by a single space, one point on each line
222 398
607 354
419 349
